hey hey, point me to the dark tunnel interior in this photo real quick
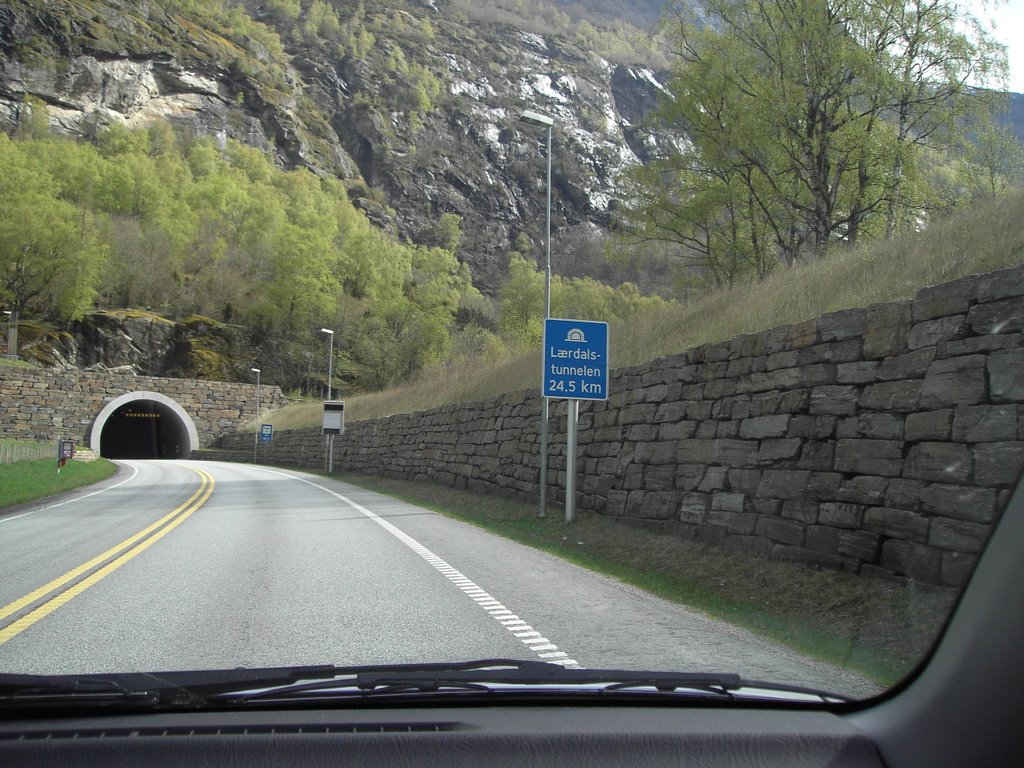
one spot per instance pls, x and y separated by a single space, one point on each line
144 429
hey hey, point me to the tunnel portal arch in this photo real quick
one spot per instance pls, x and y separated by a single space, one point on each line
143 425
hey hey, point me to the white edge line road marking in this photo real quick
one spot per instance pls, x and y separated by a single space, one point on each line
517 627
135 471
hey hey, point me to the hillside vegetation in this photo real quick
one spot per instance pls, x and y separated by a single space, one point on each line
188 227
982 238
358 167
185 227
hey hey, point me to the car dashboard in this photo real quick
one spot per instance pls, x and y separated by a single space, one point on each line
449 736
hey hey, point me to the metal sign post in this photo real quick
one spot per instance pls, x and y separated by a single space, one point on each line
573 409
333 424
256 437
65 452
575 368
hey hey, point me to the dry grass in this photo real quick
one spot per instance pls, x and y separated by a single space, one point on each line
13 451
980 239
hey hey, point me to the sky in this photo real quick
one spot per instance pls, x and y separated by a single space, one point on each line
1008 18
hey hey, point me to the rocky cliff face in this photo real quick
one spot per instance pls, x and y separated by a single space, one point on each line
407 159
94 64
473 158
127 341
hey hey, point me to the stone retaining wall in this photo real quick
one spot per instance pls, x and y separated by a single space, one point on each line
50 404
879 441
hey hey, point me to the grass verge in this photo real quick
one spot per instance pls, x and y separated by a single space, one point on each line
879 628
30 480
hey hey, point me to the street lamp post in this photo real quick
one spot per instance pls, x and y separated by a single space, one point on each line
256 437
330 377
12 335
330 360
535 118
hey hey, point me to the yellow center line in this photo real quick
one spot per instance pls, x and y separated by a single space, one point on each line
183 512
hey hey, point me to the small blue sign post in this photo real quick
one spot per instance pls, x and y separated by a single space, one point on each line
575 368
266 433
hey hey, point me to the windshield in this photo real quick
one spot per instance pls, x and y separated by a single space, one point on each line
459 347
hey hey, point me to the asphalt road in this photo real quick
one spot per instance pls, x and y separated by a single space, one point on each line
203 565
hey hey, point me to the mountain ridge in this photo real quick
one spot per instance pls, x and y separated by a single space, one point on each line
421 124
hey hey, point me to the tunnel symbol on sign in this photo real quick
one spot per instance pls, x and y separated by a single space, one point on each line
576 335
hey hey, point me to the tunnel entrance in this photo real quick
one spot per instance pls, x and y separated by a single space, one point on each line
143 425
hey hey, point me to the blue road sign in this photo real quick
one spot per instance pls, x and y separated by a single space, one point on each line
266 433
576 359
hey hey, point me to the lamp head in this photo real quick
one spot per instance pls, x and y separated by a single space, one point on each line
535 118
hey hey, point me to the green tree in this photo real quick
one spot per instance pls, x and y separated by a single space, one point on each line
32 119
994 159
50 256
933 55
806 119
287 11
320 22
448 231
186 226
521 302
710 218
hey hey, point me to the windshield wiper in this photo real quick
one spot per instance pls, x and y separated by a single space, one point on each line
40 690
542 673
205 688
486 675
141 690
514 676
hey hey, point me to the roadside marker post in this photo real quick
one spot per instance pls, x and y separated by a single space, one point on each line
65 452
575 368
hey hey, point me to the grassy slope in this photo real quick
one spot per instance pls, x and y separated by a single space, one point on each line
981 239
31 480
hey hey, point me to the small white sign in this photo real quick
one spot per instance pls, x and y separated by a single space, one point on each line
334 417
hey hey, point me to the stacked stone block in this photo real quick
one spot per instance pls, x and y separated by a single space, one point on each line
43 404
879 440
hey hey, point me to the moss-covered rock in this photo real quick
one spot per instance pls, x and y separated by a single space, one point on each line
141 341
